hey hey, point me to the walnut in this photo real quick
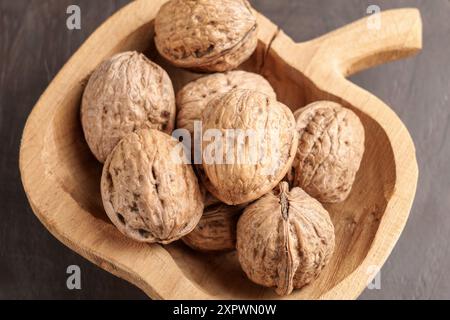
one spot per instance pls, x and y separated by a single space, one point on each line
208 198
125 93
249 143
216 230
148 192
193 97
206 35
331 146
284 239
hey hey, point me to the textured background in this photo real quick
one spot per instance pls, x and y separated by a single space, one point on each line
34 45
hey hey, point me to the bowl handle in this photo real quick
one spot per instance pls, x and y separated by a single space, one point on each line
371 41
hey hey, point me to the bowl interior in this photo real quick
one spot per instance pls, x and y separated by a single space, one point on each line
356 220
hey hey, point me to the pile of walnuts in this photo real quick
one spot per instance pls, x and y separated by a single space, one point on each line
259 193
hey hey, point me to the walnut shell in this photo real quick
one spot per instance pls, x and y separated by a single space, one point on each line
125 93
193 97
241 169
216 230
148 192
284 239
206 35
331 146
208 198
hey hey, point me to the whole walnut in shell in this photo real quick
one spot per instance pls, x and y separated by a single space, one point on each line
148 192
206 35
216 230
125 93
193 97
284 239
249 143
331 146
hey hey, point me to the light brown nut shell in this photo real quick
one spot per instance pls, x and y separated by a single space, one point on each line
125 93
284 239
147 192
216 230
206 35
208 198
193 97
330 150
250 167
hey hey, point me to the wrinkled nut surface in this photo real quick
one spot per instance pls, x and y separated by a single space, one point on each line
147 192
284 239
249 143
193 97
208 198
125 93
331 146
206 35
216 230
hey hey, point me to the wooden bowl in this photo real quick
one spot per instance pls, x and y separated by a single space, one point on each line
62 178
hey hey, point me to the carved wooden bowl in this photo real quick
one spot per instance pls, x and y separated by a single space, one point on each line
62 178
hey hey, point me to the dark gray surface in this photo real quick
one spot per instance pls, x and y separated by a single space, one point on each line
34 45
